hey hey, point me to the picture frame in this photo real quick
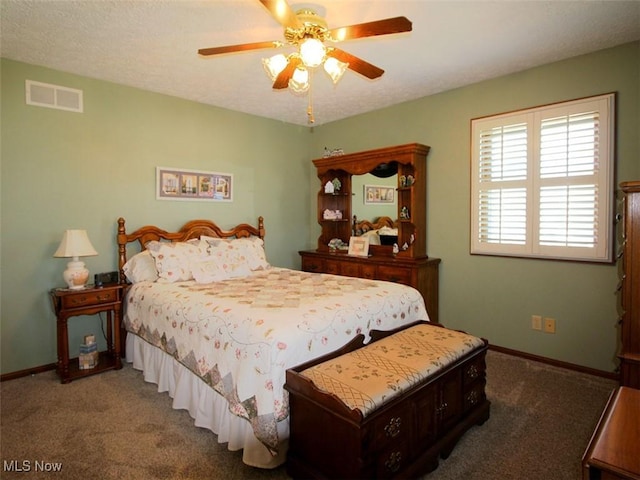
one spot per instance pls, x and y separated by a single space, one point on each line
379 194
193 185
359 246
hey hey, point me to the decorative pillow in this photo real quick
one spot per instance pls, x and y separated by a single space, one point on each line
228 259
141 268
209 270
174 260
251 249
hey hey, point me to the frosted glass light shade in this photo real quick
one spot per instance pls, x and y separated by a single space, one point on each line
335 68
274 65
75 244
312 52
299 81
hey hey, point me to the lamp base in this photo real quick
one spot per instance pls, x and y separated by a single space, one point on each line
76 275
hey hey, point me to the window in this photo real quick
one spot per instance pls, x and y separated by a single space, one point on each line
542 182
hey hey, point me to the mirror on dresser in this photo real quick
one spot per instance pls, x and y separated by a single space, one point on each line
371 185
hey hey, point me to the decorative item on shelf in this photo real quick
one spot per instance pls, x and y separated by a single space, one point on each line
336 152
396 249
332 214
75 244
410 180
405 246
402 180
337 244
329 188
337 184
404 213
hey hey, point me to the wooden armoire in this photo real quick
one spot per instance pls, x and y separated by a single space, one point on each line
630 319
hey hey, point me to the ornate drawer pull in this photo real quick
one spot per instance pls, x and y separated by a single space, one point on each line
473 372
472 398
442 408
393 464
392 429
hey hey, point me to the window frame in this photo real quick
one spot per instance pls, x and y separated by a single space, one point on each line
488 239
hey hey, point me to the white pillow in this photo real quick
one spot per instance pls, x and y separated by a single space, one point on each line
174 260
209 270
141 268
230 259
250 249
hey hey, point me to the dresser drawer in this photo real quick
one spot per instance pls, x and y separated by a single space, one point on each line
368 272
473 371
393 460
392 427
311 264
332 267
394 274
90 298
350 269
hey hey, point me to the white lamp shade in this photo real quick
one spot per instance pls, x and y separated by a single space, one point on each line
75 244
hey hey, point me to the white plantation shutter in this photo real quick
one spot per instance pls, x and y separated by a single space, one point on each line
542 182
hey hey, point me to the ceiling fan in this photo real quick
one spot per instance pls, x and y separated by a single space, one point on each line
308 32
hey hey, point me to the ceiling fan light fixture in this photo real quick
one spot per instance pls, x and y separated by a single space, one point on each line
335 68
312 52
299 81
274 65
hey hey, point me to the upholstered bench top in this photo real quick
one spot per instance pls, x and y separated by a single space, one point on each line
371 376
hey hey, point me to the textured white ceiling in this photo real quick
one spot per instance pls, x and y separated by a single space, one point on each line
152 44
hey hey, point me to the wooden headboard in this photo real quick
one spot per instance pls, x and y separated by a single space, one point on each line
192 229
364 226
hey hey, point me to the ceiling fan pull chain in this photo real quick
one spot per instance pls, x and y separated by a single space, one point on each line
310 117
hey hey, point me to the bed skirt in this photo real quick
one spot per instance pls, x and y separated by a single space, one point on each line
208 409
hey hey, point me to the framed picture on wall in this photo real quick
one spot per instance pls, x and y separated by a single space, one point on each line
181 184
379 194
359 246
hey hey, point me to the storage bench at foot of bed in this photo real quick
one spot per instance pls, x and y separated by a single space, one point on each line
388 409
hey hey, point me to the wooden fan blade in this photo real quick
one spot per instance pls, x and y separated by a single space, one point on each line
356 64
282 80
282 12
371 29
238 48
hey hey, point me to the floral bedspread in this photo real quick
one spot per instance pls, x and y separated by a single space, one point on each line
240 335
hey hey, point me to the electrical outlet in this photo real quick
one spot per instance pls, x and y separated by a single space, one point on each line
536 322
549 325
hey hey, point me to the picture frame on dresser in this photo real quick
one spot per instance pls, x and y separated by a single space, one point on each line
359 246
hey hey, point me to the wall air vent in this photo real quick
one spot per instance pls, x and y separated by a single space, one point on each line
53 96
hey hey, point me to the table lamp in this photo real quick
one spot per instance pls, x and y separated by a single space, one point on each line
75 244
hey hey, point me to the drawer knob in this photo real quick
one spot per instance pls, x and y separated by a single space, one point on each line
472 398
392 429
473 372
393 463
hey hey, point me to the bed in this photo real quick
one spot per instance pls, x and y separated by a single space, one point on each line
212 323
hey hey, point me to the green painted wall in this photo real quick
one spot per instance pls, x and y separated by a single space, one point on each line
491 296
84 170
64 170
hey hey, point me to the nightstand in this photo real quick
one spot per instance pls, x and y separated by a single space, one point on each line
88 301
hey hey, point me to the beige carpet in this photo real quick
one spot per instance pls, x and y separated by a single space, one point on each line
116 426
